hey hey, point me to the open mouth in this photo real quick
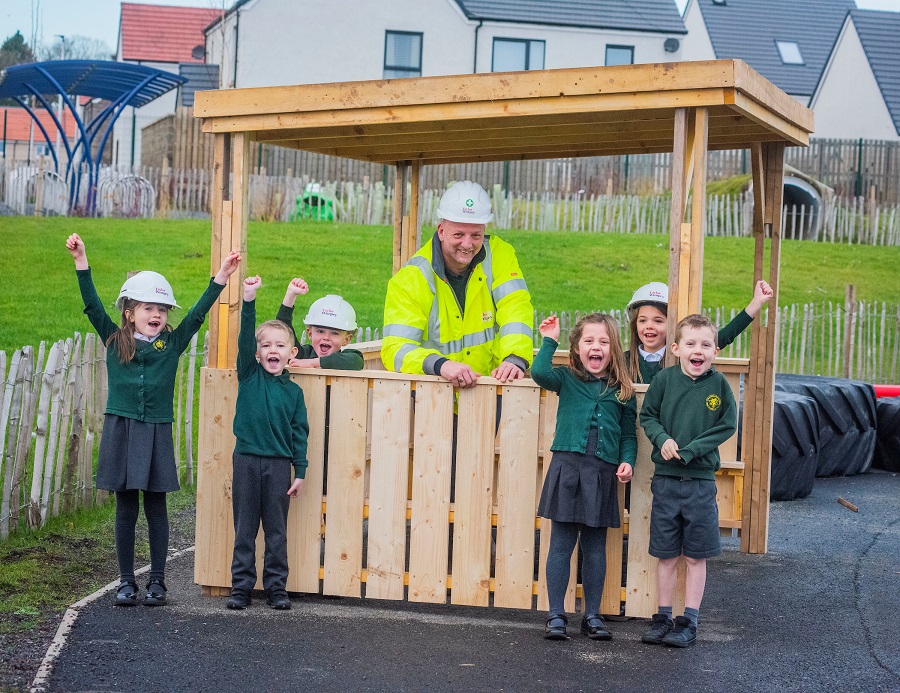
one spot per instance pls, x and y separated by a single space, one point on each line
698 362
596 362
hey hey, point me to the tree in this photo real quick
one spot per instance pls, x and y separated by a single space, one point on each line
77 48
15 51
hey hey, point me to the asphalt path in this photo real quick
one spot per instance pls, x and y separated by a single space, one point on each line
818 612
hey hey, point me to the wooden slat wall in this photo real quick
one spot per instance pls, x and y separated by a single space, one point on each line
498 481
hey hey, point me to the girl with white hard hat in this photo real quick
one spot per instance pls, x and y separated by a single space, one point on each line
647 312
136 451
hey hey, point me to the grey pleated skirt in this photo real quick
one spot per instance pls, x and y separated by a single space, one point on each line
581 488
135 455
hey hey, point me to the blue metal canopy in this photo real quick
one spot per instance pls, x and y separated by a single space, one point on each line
121 84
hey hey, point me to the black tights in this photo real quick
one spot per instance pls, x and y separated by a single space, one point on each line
127 507
563 536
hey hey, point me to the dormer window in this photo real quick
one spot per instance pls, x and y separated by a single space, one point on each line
789 52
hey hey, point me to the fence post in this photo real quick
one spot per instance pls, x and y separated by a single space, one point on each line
849 324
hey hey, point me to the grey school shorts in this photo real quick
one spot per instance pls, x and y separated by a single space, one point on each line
684 518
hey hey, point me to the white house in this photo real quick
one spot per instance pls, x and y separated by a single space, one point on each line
161 37
282 42
787 42
858 94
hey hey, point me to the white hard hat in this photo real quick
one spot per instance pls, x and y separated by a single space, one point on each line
146 287
331 311
654 292
465 202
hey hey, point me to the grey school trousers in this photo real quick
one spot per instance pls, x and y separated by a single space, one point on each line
259 494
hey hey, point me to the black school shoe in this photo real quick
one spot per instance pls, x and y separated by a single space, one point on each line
156 593
127 594
661 626
239 599
278 599
556 627
595 628
684 634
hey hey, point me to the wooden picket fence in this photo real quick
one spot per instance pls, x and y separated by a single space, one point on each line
52 417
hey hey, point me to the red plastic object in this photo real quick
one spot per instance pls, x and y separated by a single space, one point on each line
887 390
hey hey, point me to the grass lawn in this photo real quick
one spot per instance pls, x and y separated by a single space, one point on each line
565 271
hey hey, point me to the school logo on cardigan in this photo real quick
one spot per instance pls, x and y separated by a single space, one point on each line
713 402
159 345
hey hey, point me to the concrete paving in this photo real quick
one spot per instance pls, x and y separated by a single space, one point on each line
816 613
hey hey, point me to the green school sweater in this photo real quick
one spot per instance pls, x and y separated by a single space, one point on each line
144 388
727 335
270 414
344 360
585 404
698 414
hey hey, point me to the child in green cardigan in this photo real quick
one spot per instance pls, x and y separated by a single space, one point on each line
271 431
136 452
688 412
647 313
330 324
594 445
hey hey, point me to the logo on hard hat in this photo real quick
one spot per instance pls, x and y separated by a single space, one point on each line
656 294
330 312
161 291
470 202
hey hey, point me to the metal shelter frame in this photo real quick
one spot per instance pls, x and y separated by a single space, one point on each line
122 84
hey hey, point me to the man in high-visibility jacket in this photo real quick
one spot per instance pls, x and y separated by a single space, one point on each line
460 307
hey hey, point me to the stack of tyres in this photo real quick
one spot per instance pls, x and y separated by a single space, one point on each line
795 446
887 443
846 420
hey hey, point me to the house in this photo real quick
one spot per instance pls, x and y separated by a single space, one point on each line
284 42
858 95
788 43
21 140
164 38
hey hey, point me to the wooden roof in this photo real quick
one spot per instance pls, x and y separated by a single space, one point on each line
592 111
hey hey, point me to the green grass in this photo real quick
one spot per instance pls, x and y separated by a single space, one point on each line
565 271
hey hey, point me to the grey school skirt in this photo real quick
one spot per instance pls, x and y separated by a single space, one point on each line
135 455
581 488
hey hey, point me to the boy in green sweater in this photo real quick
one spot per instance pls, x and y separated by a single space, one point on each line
688 412
330 324
271 429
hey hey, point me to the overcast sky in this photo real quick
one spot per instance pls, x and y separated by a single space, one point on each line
100 18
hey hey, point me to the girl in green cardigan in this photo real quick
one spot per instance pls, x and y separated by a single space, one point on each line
594 446
136 452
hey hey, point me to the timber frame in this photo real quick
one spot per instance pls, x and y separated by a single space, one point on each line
684 108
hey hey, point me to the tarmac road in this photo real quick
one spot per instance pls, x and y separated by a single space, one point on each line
819 612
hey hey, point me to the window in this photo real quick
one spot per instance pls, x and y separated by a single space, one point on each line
789 52
402 54
517 54
620 55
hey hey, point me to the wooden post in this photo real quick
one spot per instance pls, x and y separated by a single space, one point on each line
849 327
759 388
401 221
415 224
220 192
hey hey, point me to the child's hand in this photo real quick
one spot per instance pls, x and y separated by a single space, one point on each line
251 286
550 328
304 363
762 292
297 287
229 266
75 246
669 450
624 472
294 490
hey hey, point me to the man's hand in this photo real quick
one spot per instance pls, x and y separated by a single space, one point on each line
550 328
459 374
251 286
669 450
507 371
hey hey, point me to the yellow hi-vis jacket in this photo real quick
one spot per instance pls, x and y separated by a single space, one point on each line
423 323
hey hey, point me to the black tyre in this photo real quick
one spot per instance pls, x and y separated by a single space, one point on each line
846 418
887 439
795 446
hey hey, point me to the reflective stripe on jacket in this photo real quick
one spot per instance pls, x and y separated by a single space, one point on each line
498 320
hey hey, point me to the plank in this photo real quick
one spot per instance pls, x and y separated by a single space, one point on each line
640 588
516 497
474 492
611 601
550 404
346 487
388 483
432 464
305 521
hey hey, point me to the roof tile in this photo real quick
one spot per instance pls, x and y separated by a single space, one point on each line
160 33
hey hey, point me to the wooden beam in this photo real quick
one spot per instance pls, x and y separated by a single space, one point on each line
698 211
415 223
400 178
680 157
238 238
219 193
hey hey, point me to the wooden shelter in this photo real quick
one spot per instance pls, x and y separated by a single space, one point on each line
388 455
